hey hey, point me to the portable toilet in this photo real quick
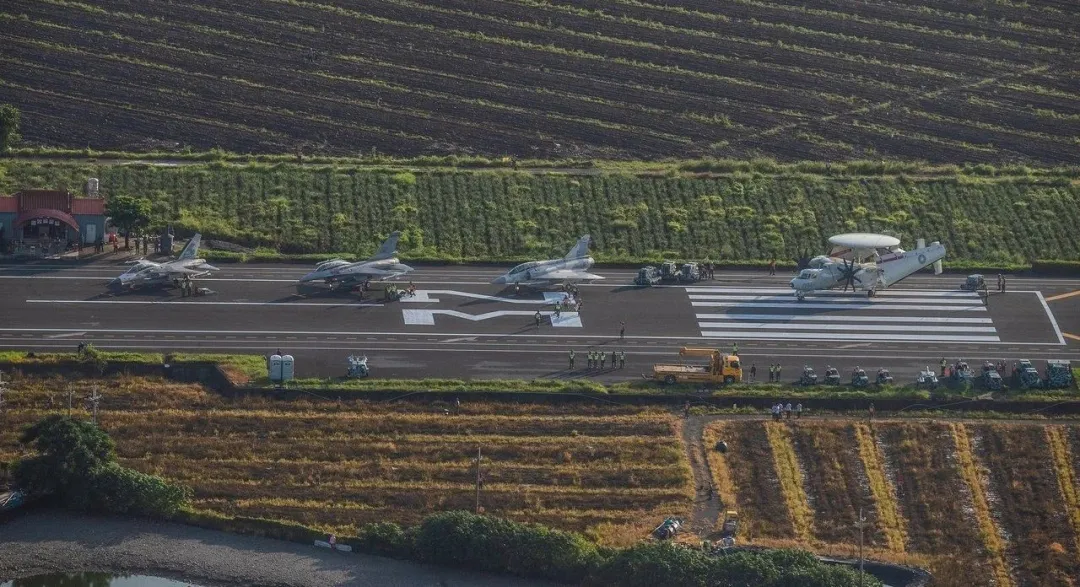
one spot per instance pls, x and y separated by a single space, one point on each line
274 364
286 367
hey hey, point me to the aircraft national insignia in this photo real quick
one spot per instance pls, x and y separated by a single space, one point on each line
922 259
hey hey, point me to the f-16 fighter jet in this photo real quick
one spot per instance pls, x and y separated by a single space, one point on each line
571 268
147 273
383 264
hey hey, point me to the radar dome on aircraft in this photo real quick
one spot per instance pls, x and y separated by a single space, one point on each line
864 240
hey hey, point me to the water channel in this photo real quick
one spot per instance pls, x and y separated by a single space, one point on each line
95 580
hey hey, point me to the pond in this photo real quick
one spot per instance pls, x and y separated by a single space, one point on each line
94 580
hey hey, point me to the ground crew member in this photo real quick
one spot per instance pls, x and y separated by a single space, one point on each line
537 317
778 371
753 372
772 372
571 358
1002 284
622 329
603 359
614 360
558 309
870 412
943 364
622 359
735 349
787 411
798 411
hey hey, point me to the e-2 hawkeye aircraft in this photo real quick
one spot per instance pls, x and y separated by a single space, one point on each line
570 269
865 261
147 273
383 264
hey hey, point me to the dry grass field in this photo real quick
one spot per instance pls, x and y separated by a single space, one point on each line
610 472
941 80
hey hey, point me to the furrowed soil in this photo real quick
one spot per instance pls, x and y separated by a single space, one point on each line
599 470
507 215
821 80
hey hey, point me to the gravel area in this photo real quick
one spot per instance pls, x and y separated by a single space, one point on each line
53 541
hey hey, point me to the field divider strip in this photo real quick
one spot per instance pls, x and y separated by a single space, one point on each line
890 520
791 481
991 536
1066 477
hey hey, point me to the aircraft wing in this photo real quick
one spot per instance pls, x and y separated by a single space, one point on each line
568 275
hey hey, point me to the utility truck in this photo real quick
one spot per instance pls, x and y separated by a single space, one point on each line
722 368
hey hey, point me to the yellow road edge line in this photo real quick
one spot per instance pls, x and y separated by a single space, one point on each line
1063 296
969 471
892 523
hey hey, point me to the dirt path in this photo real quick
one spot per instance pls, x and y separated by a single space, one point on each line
706 509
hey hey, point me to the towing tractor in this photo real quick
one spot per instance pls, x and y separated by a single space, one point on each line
647 276
722 368
669 271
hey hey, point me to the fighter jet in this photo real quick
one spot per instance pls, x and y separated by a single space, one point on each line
383 264
571 268
148 273
865 261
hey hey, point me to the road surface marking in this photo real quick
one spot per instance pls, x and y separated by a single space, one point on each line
1063 296
850 336
838 306
837 293
424 296
832 318
1050 315
427 317
1072 336
858 327
860 300
193 303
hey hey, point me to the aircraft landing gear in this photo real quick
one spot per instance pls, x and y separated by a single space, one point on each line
800 296
870 293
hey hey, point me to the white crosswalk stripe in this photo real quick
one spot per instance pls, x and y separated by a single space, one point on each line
775 314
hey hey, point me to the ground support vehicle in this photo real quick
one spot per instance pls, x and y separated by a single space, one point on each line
647 276
961 373
832 375
689 273
1058 374
859 378
991 379
883 377
668 529
808 376
669 271
973 283
927 378
358 366
722 368
729 528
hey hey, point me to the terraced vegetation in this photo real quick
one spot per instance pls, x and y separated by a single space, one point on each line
507 215
609 472
948 81
986 504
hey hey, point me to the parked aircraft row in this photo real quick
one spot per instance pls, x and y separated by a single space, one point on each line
865 261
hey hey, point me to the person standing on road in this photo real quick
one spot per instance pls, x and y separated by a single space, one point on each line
1002 284
603 359
622 359
944 363
537 317
778 372
571 359
753 372
735 349
622 330
772 267
772 372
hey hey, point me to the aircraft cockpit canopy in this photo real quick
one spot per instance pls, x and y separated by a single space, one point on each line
808 273
523 267
138 267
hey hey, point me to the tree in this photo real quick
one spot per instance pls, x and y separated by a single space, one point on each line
76 464
9 127
128 213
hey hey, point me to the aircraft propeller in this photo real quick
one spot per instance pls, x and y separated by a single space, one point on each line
847 275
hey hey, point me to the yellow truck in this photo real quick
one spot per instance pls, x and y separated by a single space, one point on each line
722 368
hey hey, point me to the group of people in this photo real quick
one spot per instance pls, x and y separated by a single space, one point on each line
599 359
1001 283
782 411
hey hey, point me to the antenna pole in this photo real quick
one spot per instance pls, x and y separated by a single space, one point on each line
478 479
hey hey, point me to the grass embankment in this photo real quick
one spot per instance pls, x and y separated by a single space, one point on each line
1068 483
506 216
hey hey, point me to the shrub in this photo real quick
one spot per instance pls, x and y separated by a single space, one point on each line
482 543
125 491
386 539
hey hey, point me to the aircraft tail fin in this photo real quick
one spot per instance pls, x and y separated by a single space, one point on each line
581 249
910 262
191 249
389 247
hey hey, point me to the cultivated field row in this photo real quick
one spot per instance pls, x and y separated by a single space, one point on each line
530 78
982 504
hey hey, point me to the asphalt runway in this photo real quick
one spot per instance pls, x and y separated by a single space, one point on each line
461 326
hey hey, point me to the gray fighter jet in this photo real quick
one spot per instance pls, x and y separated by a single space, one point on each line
570 269
383 264
147 273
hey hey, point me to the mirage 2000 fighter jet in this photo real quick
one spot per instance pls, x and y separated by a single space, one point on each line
147 273
570 269
383 264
